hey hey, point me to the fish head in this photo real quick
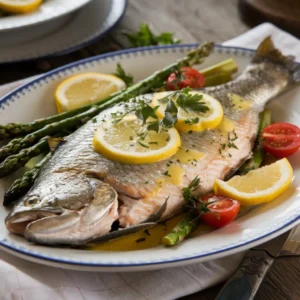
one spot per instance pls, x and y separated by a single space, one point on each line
64 208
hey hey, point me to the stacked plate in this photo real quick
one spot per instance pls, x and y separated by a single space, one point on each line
57 27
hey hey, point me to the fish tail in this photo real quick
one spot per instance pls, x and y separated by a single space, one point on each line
267 51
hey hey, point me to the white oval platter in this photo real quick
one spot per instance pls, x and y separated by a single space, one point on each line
35 100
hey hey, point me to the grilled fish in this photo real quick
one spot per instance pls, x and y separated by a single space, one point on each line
80 195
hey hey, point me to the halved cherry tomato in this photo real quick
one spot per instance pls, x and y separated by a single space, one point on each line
281 139
189 77
222 211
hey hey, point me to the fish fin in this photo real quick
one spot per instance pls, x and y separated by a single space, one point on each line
54 143
123 231
267 51
157 215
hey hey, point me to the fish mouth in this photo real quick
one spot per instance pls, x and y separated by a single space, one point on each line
76 227
17 222
65 226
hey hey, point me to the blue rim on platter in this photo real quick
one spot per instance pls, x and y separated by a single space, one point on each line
286 224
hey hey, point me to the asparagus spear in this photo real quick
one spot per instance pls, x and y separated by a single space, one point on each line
12 130
153 81
14 162
258 153
193 57
23 185
217 79
181 230
226 66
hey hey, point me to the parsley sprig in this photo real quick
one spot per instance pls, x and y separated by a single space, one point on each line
127 78
188 192
191 102
188 102
145 37
193 201
184 99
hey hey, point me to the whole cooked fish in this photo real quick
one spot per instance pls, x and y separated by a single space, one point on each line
80 195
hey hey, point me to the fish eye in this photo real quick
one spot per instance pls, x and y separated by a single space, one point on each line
31 201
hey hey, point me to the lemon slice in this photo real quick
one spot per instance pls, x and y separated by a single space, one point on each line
208 120
19 6
86 88
121 142
258 186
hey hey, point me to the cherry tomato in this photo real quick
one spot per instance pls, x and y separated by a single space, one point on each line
222 212
189 77
281 139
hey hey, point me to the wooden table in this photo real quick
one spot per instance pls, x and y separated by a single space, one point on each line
191 21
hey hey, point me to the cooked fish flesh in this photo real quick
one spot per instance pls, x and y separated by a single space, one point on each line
80 195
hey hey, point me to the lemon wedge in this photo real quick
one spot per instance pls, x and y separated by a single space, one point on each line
19 6
191 120
258 186
86 88
122 142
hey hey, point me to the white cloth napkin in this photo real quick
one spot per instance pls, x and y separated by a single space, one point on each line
20 279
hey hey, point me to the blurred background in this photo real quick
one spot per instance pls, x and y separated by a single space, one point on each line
83 28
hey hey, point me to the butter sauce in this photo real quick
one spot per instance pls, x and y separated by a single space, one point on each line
226 125
145 239
185 155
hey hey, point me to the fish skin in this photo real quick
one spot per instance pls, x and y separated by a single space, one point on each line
77 176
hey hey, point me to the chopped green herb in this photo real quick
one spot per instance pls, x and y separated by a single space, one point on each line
191 121
143 145
153 126
170 117
191 102
165 99
147 232
167 174
94 120
232 145
141 240
146 111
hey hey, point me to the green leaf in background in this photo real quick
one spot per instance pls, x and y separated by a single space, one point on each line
145 37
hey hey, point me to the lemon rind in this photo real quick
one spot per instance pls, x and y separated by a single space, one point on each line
267 195
123 156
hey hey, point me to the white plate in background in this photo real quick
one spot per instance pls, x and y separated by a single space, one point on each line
64 35
49 10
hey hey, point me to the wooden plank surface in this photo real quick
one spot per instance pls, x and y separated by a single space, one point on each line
191 21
